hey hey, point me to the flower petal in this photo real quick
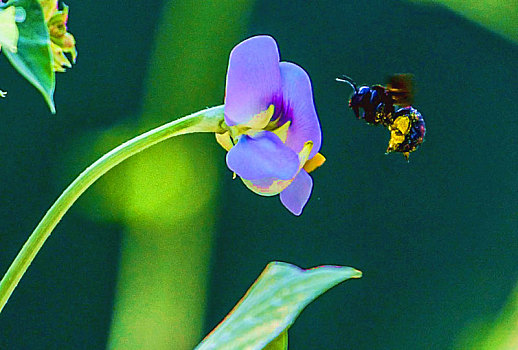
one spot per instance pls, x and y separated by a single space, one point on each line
266 187
253 79
262 156
272 186
299 108
296 195
315 162
50 7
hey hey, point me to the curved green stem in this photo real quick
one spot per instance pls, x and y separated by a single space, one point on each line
208 120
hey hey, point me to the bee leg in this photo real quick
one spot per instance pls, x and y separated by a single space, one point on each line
356 110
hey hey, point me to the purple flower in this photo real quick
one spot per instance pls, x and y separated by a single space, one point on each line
273 136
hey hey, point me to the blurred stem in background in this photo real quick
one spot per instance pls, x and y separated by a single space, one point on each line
166 197
500 16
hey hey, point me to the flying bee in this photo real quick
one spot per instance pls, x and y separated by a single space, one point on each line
376 105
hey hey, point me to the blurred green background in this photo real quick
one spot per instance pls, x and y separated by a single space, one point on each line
160 250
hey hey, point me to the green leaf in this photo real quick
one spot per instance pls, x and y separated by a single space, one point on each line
279 343
272 304
33 59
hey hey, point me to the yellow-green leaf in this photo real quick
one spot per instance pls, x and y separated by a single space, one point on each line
272 304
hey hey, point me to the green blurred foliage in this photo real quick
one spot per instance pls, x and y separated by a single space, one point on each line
496 333
167 197
166 183
500 16
161 289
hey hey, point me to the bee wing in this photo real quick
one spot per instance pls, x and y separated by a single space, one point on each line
401 88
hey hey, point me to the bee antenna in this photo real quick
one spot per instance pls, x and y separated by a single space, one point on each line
346 79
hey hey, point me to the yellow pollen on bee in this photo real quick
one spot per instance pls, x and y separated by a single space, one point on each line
402 124
398 131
